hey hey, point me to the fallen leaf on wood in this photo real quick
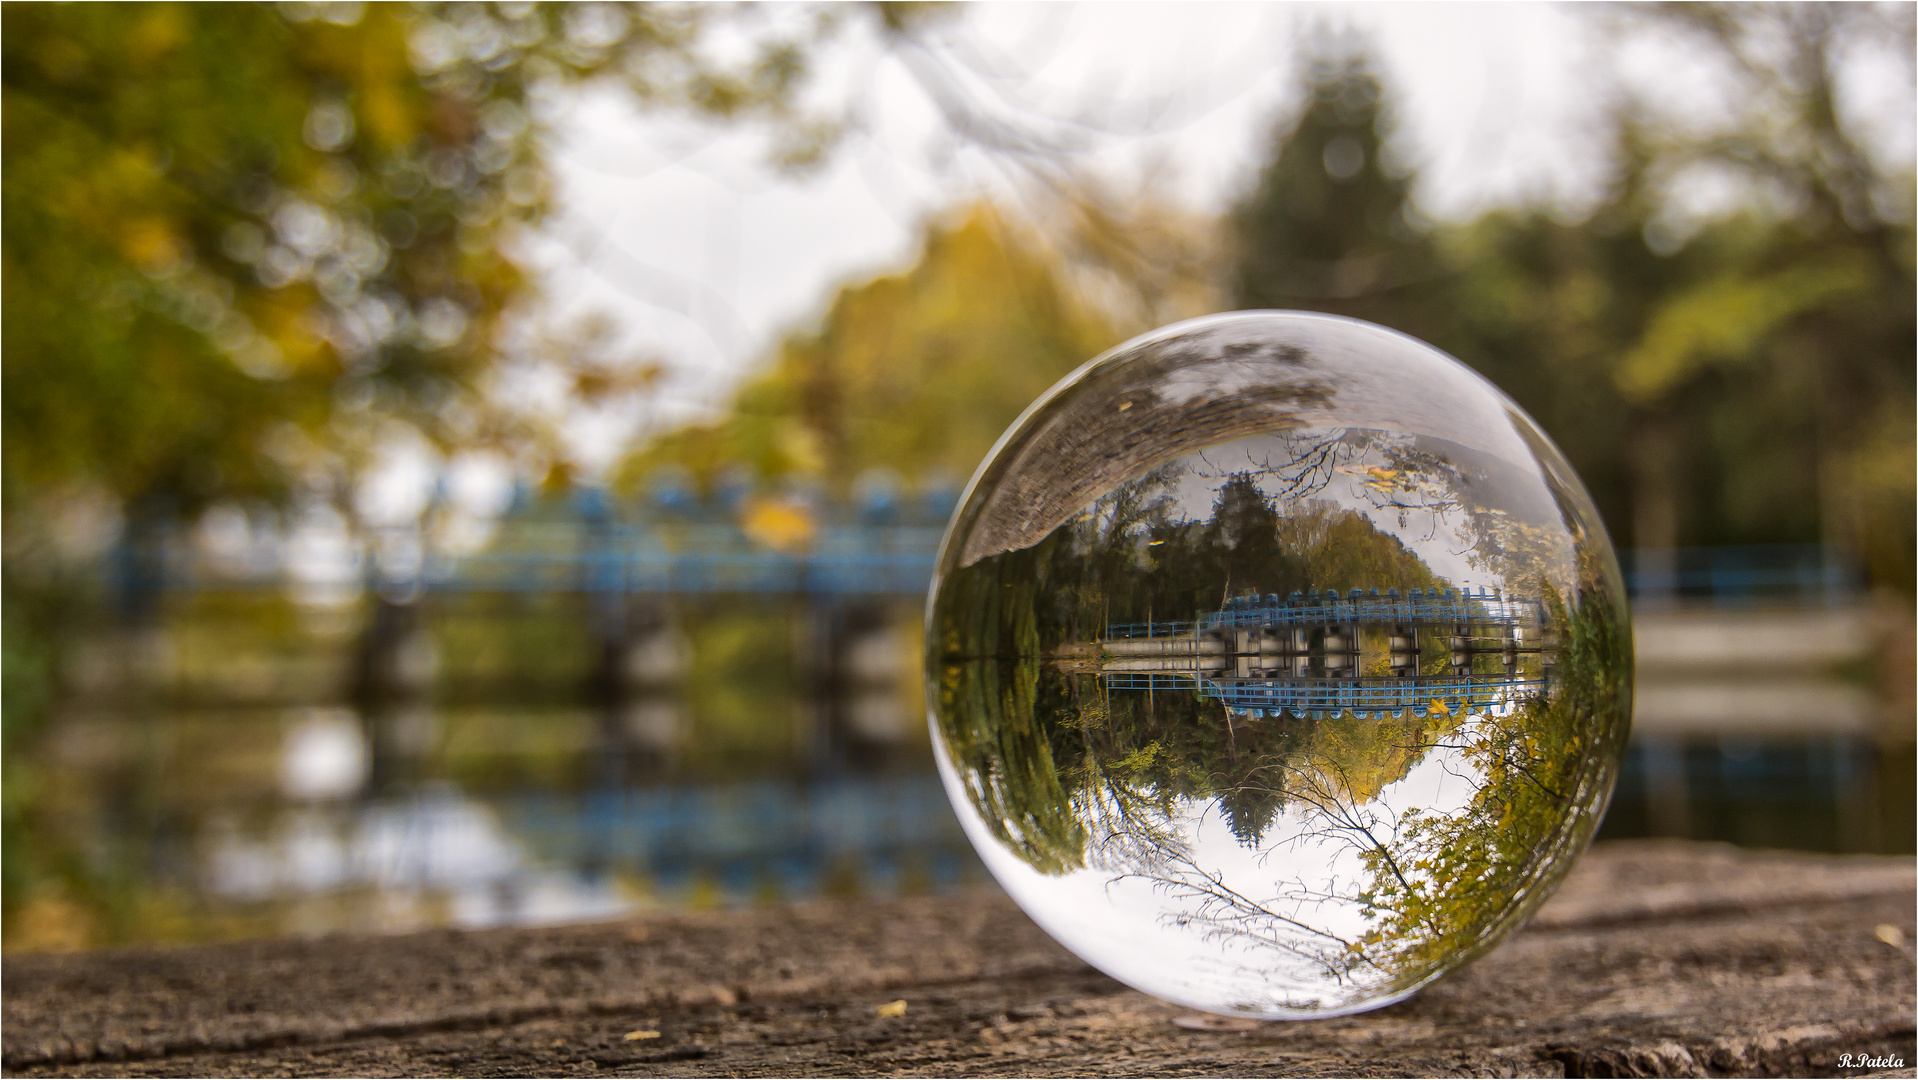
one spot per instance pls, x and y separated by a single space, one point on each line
1213 1022
642 1033
893 1008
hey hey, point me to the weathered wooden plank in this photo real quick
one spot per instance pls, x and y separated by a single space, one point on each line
1656 959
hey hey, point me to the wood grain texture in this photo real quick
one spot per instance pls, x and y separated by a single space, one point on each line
1656 959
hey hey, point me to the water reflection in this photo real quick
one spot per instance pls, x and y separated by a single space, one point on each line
1265 712
437 857
442 857
325 757
484 762
336 848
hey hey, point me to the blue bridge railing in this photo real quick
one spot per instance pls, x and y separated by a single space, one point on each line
591 549
895 560
1417 607
1332 697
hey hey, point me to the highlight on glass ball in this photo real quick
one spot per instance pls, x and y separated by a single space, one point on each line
1278 664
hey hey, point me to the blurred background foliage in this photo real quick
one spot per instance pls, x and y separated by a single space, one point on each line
247 247
244 243
918 372
1740 379
242 239
247 244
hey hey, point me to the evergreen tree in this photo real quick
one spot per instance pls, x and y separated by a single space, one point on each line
1243 538
1329 227
1739 379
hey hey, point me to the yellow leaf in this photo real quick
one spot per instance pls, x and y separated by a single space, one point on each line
1438 709
892 1008
642 1033
779 524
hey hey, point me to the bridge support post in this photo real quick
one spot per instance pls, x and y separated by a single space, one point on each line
637 689
393 675
1404 646
856 661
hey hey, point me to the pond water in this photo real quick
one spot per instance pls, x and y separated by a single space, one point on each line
251 796
224 822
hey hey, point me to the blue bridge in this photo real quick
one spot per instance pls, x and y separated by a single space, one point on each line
880 543
1418 607
876 546
850 560
1317 655
1319 699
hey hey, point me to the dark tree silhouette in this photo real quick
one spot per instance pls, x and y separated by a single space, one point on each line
1329 227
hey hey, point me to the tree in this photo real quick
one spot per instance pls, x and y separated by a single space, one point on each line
1738 377
1057 764
244 241
1329 226
238 237
1445 886
1782 359
917 372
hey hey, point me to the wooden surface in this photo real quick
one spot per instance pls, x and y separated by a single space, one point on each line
1655 959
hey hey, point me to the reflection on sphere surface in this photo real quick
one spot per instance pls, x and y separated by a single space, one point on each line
1278 664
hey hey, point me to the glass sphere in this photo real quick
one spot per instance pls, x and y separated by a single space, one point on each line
1278 664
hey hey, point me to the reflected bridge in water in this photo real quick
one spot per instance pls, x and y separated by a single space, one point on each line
1320 655
541 856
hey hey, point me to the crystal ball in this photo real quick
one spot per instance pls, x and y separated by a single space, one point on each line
1277 664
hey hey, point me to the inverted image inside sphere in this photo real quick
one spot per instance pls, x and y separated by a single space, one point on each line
1278 664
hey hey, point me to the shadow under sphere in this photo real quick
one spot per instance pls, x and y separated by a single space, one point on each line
1278 664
